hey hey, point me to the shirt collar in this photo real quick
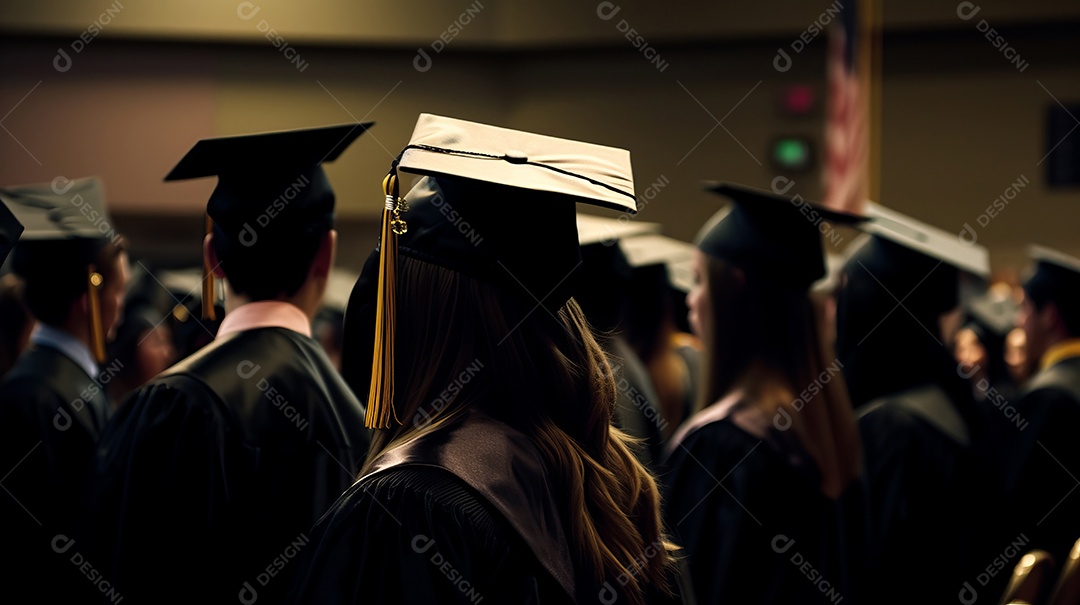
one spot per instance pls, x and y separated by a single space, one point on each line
67 344
265 314
1060 351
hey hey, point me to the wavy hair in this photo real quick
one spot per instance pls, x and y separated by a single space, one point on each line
549 379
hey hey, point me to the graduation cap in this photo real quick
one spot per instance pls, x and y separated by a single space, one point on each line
778 235
609 231
653 249
991 316
917 260
184 286
456 217
271 186
604 280
10 230
1054 276
64 230
927 239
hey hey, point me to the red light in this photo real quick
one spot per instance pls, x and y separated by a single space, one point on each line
799 99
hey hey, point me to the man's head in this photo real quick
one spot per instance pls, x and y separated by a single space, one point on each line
267 253
56 277
68 252
272 209
1051 309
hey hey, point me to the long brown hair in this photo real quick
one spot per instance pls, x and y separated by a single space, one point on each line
762 338
548 378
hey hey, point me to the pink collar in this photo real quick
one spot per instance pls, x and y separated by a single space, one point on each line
265 314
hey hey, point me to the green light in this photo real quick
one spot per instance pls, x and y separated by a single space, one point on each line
791 153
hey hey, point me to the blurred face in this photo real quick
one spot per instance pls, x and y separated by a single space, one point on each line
970 353
155 352
112 295
949 324
1016 355
697 299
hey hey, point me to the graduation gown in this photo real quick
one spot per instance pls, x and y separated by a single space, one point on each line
211 476
461 515
751 516
48 430
929 476
637 410
1044 464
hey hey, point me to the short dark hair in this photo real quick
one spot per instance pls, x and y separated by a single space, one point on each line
271 266
55 273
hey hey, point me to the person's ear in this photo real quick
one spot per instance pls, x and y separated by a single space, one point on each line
210 256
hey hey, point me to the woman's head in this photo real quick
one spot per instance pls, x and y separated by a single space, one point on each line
747 318
752 309
468 342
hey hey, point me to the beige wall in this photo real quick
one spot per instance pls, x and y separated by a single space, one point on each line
507 23
960 123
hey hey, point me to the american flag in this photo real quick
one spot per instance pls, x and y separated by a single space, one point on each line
847 122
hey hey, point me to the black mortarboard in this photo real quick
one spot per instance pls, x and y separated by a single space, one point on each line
271 185
10 230
65 226
1054 277
780 236
916 260
457 217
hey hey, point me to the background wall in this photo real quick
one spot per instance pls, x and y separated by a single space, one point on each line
960 122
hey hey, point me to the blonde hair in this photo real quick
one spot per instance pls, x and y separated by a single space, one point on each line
548 378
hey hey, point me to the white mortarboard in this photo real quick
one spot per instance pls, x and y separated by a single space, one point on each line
654 249
602 230
498 205
927 239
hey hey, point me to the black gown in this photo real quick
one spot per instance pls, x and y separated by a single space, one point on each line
211 476
48 431
637 411
462 515
751 516
1043 471
932 485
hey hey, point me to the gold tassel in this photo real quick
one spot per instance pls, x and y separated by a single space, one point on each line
94 280
209 295
380 405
